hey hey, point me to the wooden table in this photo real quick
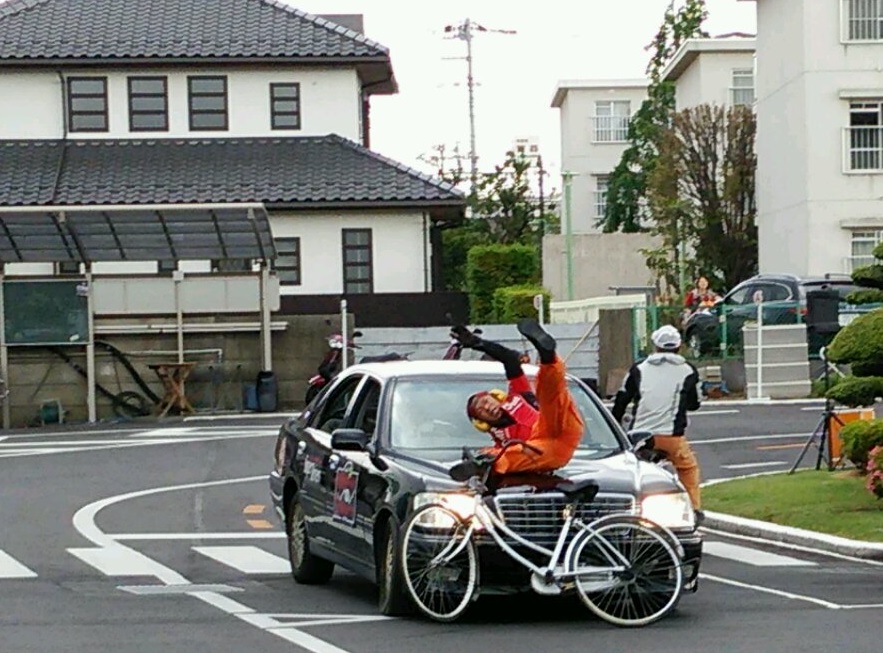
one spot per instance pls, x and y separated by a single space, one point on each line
173 376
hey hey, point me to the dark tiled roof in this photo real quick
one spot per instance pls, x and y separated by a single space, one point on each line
299 172
153 29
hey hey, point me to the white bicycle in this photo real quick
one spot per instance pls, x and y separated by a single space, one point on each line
627 570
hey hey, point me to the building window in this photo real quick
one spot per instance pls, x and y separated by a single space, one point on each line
227 265
148 104
742 91
611 121
601 183
87 104
862 253
288 261
358 268
285 106
864 141
863 20
208 103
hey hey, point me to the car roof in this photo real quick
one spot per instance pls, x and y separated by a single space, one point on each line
416 368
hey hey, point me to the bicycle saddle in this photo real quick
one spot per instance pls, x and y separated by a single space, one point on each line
584 490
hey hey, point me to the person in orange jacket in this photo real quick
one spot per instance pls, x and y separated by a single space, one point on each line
546 419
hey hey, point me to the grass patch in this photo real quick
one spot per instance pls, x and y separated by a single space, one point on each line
836 503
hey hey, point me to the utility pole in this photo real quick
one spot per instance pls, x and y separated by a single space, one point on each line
464 32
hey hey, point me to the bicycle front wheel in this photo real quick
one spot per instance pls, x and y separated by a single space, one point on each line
440 568
627 573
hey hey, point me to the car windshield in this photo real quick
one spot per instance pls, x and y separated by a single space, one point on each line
429 416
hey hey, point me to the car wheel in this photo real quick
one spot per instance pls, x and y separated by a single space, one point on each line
695 345
392 599
306 568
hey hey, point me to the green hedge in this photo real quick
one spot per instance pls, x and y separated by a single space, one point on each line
859 438
867 296
856 391
878 251
511 303
489 267
870 276
861 341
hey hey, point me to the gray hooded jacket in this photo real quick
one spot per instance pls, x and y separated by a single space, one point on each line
663 387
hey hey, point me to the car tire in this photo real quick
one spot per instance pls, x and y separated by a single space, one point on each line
306 568
695 344
392 600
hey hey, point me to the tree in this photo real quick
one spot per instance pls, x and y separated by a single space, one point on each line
627 203
702 196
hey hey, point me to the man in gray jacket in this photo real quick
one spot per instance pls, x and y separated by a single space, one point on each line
663 387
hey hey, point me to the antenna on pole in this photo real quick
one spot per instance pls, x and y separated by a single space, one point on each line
464 32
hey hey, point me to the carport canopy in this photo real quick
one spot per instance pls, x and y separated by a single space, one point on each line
173 232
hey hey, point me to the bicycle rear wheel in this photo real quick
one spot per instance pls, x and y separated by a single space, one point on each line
441 584
627 572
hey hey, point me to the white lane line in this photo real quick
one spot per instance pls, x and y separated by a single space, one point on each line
246 535
754 557
774 592
772 463
119 561
12 568
3 437
247 559
747 438
701 413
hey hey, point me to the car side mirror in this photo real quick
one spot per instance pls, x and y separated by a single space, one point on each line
639 438
349 440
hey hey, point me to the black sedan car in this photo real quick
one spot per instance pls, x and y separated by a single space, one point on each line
378 443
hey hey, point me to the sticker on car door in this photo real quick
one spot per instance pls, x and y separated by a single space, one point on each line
346 482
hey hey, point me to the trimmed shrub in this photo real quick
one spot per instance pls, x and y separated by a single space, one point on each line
875 472
511 303
861 341
870 276
456 244
489 267
867 296
857 391
859 438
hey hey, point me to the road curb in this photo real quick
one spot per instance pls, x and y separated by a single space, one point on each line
791 535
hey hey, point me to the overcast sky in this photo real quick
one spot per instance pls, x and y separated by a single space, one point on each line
556 39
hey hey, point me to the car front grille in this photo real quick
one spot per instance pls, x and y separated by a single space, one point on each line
538 518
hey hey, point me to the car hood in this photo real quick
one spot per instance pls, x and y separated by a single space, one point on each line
619 473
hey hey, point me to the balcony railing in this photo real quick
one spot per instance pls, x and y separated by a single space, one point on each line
611 129
862 20
863 149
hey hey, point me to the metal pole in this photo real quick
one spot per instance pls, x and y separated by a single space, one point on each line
4 353
177 278
760 349
266 333
470 83
568 235
90 347
345 352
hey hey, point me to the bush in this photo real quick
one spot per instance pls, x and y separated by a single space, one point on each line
857 391
860 342
867 296
870 276
511 303
818 385
489 267
875 472
456 244
859 438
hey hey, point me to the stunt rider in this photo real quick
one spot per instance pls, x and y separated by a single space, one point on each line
546 419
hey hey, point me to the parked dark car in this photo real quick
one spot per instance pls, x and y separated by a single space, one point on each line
343 498
783 299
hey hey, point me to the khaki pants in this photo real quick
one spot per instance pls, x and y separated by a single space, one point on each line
678 451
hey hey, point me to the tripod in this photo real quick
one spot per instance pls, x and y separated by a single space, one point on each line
822 431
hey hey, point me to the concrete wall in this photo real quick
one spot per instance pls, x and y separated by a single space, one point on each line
580 349
599 262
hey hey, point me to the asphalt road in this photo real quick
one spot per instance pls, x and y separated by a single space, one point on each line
162 539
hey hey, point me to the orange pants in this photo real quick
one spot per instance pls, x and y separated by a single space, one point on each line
557 432
679 452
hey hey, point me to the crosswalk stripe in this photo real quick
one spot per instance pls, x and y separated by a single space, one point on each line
12 568
247 559
750 556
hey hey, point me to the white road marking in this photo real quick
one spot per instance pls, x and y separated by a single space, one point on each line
12 568
772 463
770 590
3 437
794 547
246 535
165 432
247 559
750 556
702 413
118 561
747 438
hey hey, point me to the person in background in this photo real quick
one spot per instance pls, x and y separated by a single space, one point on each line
702 296
663 387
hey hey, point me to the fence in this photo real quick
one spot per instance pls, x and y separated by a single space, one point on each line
586 311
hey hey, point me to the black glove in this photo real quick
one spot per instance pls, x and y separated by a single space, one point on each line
465 337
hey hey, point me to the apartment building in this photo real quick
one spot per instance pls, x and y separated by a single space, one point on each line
594 118
717 71
820 134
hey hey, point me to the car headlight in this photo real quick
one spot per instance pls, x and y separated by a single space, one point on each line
672 510
462 505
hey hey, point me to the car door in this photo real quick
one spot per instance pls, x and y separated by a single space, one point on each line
735 309
358 483
318 461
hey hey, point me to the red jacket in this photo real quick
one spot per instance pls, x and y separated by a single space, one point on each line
520 407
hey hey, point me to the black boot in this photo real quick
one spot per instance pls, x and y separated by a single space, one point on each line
539 338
